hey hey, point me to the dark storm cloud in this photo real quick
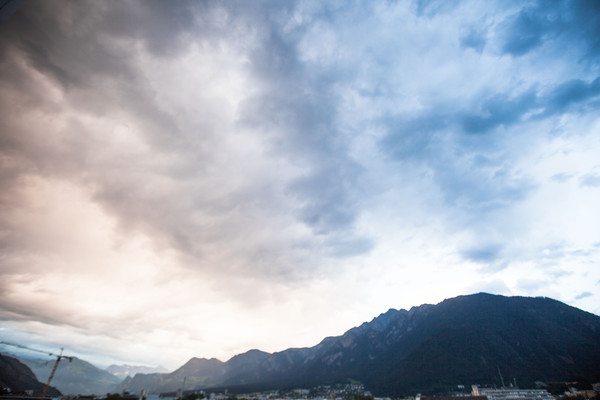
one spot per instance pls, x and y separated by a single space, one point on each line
8 8
89 49
87 45
468 168
469 172
565 22
568 94
161 25
77 48
413 136
42 61
501 110
21 311
497 110
525 31
51 47
68 47
586 22
297 113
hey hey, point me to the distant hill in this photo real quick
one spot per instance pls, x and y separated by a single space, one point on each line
20 379
123 371
75 377
464 340
197 372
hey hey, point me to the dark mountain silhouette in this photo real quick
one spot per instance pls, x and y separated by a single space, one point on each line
464 340
19 378
74 377
197 372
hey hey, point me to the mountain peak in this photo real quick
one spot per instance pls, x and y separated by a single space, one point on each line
460 340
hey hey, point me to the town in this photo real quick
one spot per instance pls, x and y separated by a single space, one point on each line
357 391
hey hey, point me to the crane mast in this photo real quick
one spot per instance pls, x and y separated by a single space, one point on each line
54 368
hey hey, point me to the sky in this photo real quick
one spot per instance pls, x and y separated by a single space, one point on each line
203 178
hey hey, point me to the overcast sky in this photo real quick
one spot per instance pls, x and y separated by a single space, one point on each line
197 178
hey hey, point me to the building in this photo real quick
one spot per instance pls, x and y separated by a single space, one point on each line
512 394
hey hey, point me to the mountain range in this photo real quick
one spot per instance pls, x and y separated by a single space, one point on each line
20 379
430 348
123 371
81 377
464 340
74 377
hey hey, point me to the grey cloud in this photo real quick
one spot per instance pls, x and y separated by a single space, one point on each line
570 93
473 39
583 295
559 274
431 8
582 23
85 64
330 206
42 60
495 256
524 32
504 110
561 177
160 25
8 8
487 254
348 246
482 180
590 180
498 110
558 251
50 314
569 23
85 47
54 49
18 311
437 137
297 114
478 189
413 138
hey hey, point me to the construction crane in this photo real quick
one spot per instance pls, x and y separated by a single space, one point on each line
58 358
